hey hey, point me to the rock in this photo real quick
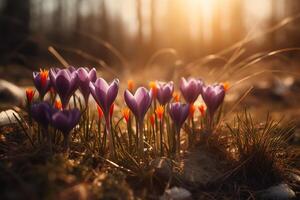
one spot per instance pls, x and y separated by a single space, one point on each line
8 117
77 192
10 94
278 192
296 137
201 166
176 193
162 167
294 178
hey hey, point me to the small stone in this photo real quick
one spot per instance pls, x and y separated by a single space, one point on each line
162 167
296 137
8 117
176 193
201 166
10 94
278 192
79 192
294 177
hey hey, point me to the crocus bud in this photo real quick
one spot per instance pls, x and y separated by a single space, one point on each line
41 113
41 82
85 76
190 89
164 92
138 103
178 113
213 96
65 83
29 95
65 121
105 94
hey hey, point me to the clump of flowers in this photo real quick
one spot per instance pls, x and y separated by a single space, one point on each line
161 132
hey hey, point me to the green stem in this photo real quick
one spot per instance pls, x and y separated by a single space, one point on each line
141 138
178 139
66 142
129 133
137 134
110 138
99 135
161 137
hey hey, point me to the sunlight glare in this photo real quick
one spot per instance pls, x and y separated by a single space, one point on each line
200 11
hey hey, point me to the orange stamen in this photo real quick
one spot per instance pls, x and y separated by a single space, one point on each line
29 94
202 109
176 96
153 87
152 119
44 76
126 114
160 112
226 86
58 104
130 85
192 110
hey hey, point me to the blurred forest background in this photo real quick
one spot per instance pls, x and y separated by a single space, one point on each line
77 29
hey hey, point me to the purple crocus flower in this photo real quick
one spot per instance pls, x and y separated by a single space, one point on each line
138 103
104 93
85 76
165 92
213 96
42 112
41 81
65 121
55 70
179 113
65 83
190 89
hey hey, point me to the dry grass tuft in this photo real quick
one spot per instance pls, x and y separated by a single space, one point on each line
261 152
